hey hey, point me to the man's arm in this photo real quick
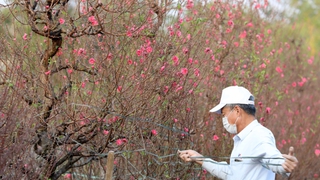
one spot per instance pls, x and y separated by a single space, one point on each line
217 169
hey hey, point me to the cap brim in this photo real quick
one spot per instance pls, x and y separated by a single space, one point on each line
217 108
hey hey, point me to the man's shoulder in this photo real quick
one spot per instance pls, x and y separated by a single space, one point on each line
261 131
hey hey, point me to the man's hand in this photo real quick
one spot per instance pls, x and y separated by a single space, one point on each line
291 162
190 156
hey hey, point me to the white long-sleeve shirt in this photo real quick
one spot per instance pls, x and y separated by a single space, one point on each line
253 141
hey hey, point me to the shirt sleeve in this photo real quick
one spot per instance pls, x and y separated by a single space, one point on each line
217 169
271 157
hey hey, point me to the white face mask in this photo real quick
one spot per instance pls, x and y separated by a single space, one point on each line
231 128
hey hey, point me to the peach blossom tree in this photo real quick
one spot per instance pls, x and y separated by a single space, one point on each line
82 78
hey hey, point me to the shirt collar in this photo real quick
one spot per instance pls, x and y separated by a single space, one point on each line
243 134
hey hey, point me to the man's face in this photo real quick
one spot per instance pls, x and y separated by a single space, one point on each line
229 113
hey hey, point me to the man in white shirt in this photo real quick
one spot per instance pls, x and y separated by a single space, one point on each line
254 155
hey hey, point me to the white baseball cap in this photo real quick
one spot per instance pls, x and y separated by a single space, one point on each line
233 95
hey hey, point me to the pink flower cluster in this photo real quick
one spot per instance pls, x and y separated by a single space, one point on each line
92 20
121 141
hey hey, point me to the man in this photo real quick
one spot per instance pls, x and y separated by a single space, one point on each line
254 155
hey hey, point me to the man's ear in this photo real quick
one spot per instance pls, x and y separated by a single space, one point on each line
238 109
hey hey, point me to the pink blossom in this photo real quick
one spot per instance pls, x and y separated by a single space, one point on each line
208 50
186 129
236 44
166 89
188 36
184 71
230 23
175 120
310 61
25 36
278 69
109 57
69 71
93 21
175 60
47 73
179 33
224 43
228 30
81 51
303 80
130 61
61 21
119 88
217 16
317 152
189 4
105 132
162 69
92 61
269 31
149 49
250 24
303 140
262 66
294 84
196 72
185 50
268 110
154 132
83 84
67 176
179 88
119 142
243 35
139 52
215 137
129 33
